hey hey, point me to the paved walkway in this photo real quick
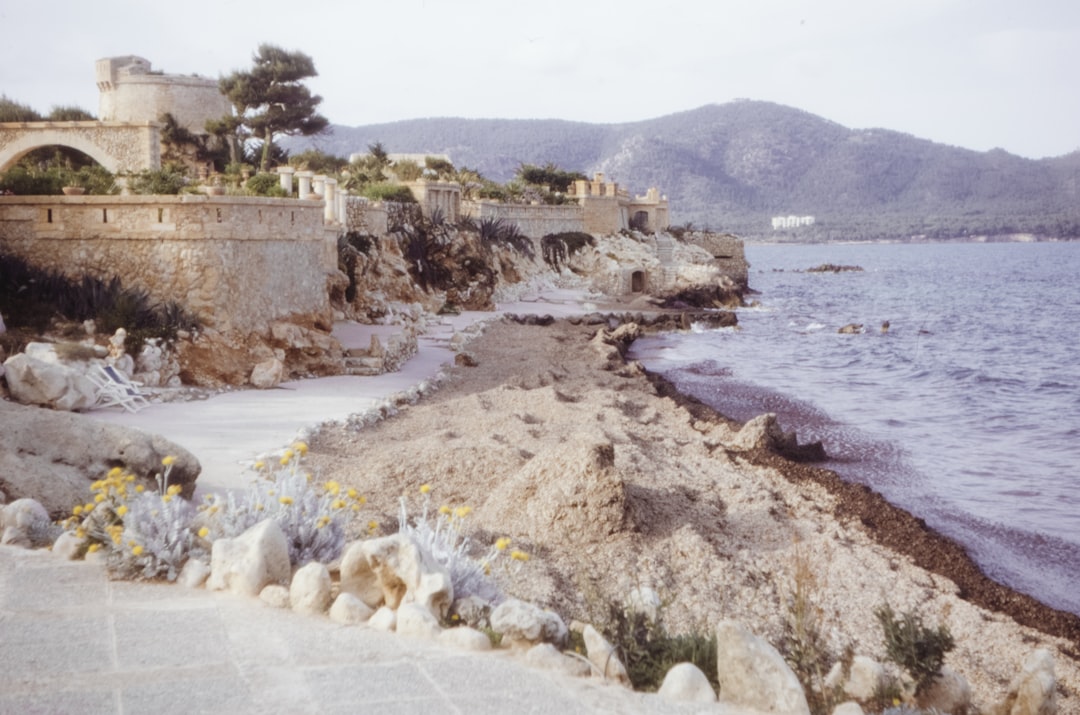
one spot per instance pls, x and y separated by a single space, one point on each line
72 641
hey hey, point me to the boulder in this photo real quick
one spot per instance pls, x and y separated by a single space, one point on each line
384 619
851 329
250 562
349 610
58 471
865 678
465 638
194 573
1034 689
393 570
523 624
752 674
948 693
686 683
310 589
68 546
23 513
603 657
36 382
548 657
267 374
275 595
416 621
764 433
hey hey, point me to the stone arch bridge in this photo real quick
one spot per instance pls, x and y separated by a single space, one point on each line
118 146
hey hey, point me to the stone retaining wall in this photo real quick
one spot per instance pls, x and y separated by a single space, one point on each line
238 263
534 221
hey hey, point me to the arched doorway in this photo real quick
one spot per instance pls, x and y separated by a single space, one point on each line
637 282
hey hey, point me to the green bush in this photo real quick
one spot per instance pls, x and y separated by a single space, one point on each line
265 184
558 247
917 649
159 182
384 191
649 652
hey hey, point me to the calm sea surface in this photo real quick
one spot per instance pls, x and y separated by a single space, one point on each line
966 412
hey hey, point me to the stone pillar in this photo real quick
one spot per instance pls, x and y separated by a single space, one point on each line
343 207
286 174
330 200
304 179
318 185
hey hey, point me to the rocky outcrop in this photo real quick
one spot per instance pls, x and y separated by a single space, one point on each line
48 384
525 625
55 456
393 570
764 433
1034 689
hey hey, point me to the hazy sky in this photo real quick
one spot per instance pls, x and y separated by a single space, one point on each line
973 73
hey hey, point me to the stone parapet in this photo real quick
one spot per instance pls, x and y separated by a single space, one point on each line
535 221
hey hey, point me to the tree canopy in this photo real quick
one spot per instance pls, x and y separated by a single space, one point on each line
271 99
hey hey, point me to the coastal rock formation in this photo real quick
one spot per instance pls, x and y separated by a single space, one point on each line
48 384
524 625
58 471
1034 689
764 432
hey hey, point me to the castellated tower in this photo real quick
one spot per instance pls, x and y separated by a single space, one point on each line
131 92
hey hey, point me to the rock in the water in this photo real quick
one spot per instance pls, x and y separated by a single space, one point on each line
250 562
395 570
310 589
523 624
37 382
685 682
753 674
58 471
764 432
851 329
349 610
1034 689
603 657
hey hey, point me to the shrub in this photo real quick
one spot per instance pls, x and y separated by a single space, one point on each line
558 247
917 649
497 232
164 181
383 191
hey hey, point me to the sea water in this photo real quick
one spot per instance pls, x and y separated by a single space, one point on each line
965 412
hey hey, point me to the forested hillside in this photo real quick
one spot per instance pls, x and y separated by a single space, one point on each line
734 166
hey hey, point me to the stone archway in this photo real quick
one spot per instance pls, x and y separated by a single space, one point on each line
117 146
637 282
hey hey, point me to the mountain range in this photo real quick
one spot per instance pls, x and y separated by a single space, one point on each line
734 166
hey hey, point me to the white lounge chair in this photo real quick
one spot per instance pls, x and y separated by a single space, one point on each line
113 388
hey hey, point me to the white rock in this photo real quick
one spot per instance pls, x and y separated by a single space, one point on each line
275 595
1034 689
67 546
23 513
36 382
15 536
251 561
465 638
384 619
948 693
865 678
267 374
548 657
603 657
194 573
394 570
686 683
848 708
310 589
471 610
753 674
523 624
349 610
416 621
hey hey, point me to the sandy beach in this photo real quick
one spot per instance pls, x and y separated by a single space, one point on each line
610 480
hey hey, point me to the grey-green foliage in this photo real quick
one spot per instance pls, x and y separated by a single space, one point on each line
915 647
157 539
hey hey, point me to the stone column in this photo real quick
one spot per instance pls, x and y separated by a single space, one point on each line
330 200
318 185
286 174
343 207
304 179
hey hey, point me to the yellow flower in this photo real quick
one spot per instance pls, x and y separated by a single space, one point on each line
88 507
204 532
80 533
444 509
323 521
356 507
95 486
168 461
115 472
352 494
333 487
338 504
373 526
519 556
139 488
167 498
92 548
137 550
260 465
286 500
77 510
129 478
99 498
174 489
502 543
425 488
462 511
301 447
121 510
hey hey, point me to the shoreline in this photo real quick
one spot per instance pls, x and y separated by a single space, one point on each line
551 420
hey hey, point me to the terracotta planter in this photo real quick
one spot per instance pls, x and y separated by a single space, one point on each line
73 190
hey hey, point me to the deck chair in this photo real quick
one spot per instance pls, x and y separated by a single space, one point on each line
113 389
